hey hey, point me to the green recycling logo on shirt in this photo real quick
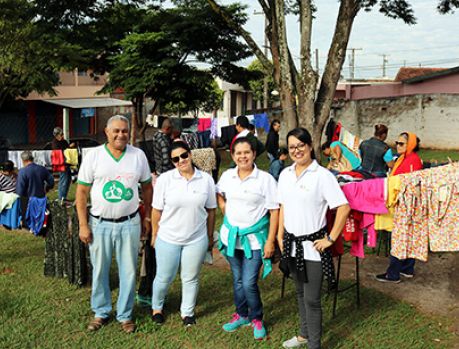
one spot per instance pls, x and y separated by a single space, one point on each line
115 191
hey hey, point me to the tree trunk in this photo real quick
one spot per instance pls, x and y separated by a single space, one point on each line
287 87
336 56
137 114
307 81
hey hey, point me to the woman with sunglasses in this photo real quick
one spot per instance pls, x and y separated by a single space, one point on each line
408 161
306 191
247 198
183 219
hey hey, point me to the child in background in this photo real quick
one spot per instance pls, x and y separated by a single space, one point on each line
277 165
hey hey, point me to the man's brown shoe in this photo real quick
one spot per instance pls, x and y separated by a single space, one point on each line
97 323
128 326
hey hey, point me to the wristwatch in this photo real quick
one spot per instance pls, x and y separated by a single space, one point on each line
330 239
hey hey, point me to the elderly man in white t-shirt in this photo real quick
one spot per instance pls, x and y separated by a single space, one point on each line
109 175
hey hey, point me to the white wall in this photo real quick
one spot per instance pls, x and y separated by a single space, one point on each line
434 118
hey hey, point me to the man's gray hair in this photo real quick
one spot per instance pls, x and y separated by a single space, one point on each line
27 156
118 118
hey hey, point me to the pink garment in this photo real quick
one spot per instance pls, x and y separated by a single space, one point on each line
368 198
204 124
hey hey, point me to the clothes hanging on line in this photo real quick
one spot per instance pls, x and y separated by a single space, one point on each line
368 198
262 121
204 139
386 221
427 213
204 124
191 139
71 157
41 157
58 160
350 140
214 128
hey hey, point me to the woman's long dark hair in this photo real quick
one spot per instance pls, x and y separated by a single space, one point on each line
275 121
304 136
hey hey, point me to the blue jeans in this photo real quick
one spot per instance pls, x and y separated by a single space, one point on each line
396 266
168 259
124 239
245 276
64 183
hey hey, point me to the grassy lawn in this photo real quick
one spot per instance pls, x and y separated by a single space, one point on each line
41 312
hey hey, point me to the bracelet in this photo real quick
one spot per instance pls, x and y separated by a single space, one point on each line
330 239
148 219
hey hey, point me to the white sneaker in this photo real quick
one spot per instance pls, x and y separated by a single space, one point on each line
294 342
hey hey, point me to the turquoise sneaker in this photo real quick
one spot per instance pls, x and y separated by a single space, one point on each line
236 322
259 330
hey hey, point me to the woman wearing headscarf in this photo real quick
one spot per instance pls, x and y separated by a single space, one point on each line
408 161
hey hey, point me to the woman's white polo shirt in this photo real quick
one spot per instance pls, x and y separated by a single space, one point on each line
247 200
183 204
306 199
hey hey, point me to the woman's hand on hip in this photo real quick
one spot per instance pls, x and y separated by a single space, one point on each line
322 244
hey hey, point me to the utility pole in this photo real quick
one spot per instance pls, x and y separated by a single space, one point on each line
352 62
384 63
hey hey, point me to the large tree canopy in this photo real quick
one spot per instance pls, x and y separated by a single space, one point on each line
159 58
26 62
301 102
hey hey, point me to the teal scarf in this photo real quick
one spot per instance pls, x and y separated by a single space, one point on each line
259 229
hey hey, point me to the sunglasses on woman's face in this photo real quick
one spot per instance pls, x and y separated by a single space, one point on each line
400 143
176 159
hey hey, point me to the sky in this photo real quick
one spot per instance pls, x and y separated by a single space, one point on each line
432 42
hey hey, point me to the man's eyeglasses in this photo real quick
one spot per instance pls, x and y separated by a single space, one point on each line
400 143
184 156
299 147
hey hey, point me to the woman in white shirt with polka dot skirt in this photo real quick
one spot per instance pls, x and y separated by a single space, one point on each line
248 199
306 190
183 217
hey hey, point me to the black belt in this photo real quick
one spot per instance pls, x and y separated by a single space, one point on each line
116 220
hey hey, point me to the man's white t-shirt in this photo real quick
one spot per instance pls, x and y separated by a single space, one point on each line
184 205
305 200
114 191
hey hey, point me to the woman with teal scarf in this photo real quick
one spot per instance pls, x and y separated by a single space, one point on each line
247 198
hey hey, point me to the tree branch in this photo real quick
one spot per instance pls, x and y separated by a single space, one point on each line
245 34
265 7
305 32
336 56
